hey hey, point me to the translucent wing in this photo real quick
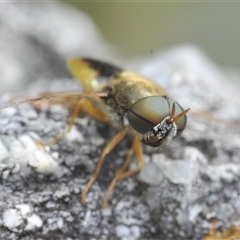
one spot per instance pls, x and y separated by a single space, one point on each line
89 72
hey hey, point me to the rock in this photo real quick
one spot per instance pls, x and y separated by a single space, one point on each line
184 184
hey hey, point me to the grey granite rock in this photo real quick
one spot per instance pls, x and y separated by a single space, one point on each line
182 187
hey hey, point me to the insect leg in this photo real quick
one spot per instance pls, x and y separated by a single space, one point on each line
138 150
114 181
122 173
111 145
88 107
91 110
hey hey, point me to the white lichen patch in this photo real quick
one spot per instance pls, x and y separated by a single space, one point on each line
128 232
38 159
21 218
24 209
74 135
33 222
22 152
12 219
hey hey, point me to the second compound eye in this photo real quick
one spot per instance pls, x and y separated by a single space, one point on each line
148 112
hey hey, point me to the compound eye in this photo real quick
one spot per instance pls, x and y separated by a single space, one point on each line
148 112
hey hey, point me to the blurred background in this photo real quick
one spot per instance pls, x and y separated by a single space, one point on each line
141 28
37 37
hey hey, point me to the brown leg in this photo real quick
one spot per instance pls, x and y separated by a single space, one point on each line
93 111
139 153
88 107
111 145
122 173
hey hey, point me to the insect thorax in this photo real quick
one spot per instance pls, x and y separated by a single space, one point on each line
124 90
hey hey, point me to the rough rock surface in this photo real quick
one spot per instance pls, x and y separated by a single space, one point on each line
181 189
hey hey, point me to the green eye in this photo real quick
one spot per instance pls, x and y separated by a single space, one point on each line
148 112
